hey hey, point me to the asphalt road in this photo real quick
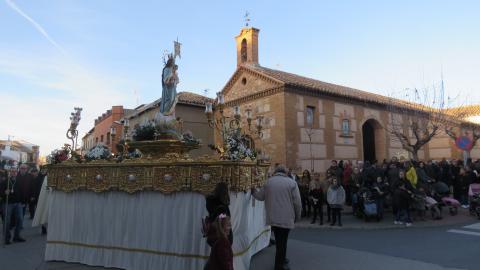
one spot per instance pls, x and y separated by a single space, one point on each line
425 248
446 247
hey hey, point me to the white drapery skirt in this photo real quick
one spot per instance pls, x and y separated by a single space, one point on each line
146 230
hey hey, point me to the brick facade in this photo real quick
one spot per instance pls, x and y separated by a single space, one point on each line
283 99
103 124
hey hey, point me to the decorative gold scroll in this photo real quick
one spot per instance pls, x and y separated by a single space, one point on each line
156 175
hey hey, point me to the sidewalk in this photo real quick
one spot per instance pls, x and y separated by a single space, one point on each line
351 222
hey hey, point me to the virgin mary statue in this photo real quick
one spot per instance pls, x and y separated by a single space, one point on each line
169 87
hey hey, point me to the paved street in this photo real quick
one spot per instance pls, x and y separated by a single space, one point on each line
423 246
412 248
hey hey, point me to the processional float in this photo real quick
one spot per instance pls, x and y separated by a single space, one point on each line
142 208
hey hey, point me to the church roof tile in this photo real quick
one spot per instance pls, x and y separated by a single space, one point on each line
314 85
295 80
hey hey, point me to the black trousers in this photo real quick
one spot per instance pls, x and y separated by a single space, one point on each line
281 237
306 206
348 195
337 213
32 206
329 212
317 209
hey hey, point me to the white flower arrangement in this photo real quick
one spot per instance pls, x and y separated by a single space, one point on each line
98 152
237 149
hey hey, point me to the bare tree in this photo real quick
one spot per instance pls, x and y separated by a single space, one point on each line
416 117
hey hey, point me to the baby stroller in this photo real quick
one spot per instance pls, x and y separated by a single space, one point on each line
475 205
474 199
423 203
432 205
367 205
419 205
441 193
452 204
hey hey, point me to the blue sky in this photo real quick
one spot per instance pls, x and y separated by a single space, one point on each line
95 54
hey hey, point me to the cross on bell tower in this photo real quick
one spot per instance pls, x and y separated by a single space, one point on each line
247 18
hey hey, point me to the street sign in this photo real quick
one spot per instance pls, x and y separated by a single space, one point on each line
464 143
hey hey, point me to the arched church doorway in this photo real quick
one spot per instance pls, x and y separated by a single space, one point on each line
374 141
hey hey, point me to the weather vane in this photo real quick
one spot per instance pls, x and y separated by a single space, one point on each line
247 18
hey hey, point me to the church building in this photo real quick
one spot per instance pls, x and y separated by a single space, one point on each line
308 122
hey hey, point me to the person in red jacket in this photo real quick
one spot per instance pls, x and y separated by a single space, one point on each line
221 254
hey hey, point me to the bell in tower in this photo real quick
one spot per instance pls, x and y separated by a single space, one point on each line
247 46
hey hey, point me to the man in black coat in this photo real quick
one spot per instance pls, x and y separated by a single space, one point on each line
401 201
368 175
36 186
336 170
18 190
3 179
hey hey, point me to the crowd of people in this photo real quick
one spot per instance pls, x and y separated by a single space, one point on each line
20 186
402 186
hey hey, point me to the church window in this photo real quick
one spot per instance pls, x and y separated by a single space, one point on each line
244 81
243 51
310 115
346 127
101 138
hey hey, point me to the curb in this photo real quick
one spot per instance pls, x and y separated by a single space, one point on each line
461 218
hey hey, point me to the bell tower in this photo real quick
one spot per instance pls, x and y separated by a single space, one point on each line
247 46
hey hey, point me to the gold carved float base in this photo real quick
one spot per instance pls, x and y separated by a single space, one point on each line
156 175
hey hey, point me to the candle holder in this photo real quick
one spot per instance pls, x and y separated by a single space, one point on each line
249 117
259 123
72 132
226 125
126 126
113 132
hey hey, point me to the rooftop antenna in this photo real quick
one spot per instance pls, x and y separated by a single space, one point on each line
247 18
442 90
137 100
